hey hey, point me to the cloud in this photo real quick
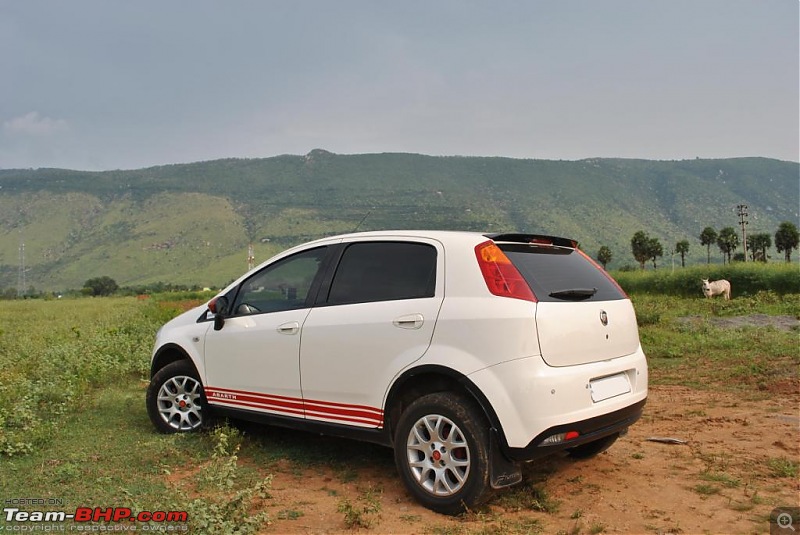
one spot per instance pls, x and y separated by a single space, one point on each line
32 124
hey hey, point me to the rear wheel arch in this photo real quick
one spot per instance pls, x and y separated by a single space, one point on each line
430 379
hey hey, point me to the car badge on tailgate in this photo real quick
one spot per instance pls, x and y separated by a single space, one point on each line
603 318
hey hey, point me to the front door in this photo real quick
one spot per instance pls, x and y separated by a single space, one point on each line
252 363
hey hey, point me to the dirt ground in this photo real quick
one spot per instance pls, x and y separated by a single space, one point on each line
726 478
738 461
786 323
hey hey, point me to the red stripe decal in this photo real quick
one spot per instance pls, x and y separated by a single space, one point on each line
324 410
253 406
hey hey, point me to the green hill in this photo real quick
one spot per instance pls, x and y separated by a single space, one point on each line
191 223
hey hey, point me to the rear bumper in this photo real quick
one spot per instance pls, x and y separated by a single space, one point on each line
589 430
529 399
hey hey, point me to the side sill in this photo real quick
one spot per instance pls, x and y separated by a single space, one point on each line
362 434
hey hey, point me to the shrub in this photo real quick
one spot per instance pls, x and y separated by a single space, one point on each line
54 352
226 503
746 279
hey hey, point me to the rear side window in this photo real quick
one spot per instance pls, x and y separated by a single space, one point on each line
560 274
384 271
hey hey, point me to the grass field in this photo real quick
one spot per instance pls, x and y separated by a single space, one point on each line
73 425
747 279
685 344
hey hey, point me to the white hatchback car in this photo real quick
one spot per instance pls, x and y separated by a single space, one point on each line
467 353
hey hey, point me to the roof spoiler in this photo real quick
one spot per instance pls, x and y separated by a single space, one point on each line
533 238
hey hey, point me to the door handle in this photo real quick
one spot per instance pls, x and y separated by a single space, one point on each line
289 328
409 321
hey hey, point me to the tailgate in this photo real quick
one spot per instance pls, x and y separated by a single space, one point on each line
579 333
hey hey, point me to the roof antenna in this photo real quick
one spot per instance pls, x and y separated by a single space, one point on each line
362 220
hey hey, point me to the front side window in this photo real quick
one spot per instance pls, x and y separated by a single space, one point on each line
283 285
384 271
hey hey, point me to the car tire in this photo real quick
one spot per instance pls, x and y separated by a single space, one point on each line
594 448
176 402
441 449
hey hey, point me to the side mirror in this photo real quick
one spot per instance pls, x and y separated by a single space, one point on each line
219 307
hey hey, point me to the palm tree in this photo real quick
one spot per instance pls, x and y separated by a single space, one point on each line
604 256
758 245
654 249
786 239
708 238
682 247
727 241
639 247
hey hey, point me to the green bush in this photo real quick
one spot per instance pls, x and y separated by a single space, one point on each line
225 503
747 279
53 353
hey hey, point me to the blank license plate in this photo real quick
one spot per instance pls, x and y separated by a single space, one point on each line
609 387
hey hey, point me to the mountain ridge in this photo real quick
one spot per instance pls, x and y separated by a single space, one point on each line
191 223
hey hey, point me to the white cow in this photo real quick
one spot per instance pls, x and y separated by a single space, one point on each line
710 289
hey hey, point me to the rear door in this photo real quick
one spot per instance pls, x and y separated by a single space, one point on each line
582 316
377 316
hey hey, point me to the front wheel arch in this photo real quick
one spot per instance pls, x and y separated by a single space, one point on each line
167 354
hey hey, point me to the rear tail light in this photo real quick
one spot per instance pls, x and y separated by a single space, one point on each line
502 278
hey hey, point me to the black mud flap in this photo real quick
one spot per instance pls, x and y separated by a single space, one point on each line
502 472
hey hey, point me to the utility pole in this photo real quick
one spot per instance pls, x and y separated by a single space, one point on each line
741 211
251 257
22 286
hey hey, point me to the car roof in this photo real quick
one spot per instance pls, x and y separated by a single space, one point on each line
434 234
446 236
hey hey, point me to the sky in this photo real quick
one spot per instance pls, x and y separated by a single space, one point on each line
114 84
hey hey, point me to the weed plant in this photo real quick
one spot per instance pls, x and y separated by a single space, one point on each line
746 278
224 502
54 353
73 423
687 341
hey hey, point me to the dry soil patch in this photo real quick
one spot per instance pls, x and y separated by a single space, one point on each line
723 480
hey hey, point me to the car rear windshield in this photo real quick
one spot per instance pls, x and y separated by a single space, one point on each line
560 274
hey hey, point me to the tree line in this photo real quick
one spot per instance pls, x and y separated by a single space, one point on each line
649 249
101 287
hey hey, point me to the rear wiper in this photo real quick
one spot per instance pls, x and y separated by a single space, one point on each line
574 294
